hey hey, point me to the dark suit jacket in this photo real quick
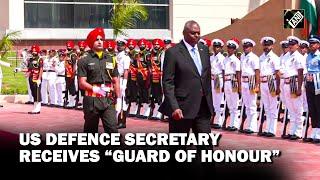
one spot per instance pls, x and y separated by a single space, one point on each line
182 84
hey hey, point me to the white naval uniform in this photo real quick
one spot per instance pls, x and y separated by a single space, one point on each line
48 80
60 82
269 63
282 58
294 105
123 63
231 65
249 63
216 62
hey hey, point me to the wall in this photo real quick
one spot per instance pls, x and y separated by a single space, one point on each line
211 15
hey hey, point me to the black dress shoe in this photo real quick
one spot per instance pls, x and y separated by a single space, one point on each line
288 136
131 115
294 137
232 128
270 135
262 134
248 131
307 139
141 117
316 141
1 105
241 131
164 120
34 112
215 126
121 126
28 102
228 128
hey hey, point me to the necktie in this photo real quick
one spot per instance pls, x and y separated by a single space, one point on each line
196 60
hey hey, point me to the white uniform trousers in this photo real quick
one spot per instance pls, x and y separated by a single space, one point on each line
124 105
60 87
282 92
232 100
295 110
48 85
250 102
217 98
270 108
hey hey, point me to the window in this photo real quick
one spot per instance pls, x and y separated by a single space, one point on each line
88 14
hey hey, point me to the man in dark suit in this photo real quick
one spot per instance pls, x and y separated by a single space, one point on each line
187 90
187 84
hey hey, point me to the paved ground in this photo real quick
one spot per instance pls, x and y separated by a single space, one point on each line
302 160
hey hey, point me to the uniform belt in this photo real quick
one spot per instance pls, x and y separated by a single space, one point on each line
245 78
264 79
287 80
61 75
92 94
228 77
49 71
213 76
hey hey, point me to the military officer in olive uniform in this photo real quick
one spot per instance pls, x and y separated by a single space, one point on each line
98 76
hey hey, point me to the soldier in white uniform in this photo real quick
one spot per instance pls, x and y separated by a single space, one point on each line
60 80
216 61
293 74
49 76
250 77
270 85
123 64
232 83
304 49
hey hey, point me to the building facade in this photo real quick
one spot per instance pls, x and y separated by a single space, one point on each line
51 22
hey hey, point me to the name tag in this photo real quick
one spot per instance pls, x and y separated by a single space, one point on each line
109 65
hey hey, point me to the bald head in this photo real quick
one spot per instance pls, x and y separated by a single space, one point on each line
191 32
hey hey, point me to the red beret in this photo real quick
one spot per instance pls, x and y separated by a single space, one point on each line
158 41
82 44
92 36
35 48
142 41
70 44
131 42
109 44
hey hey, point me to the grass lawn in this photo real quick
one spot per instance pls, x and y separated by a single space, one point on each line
13 83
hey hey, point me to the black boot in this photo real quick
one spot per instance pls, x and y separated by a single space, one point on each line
122 121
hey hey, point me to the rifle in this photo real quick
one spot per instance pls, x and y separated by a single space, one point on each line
306 126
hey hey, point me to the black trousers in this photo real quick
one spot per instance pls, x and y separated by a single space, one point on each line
313 105
35 90
132 90
143 91
200 124
156 92
95 109
70 86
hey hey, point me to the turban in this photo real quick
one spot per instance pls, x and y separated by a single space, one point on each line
92 36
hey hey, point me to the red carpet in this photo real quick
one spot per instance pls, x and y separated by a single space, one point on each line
301 160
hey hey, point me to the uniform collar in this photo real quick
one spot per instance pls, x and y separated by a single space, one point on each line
294 53
317 53
189 47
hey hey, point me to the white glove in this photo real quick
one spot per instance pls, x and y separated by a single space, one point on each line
99 91
17 70
38 82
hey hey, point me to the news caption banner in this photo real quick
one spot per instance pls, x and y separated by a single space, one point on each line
134 155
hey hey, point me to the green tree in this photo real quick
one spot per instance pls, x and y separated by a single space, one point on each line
125 15
7 42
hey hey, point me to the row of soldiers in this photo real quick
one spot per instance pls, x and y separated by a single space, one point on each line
291 80
237 80
138 64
